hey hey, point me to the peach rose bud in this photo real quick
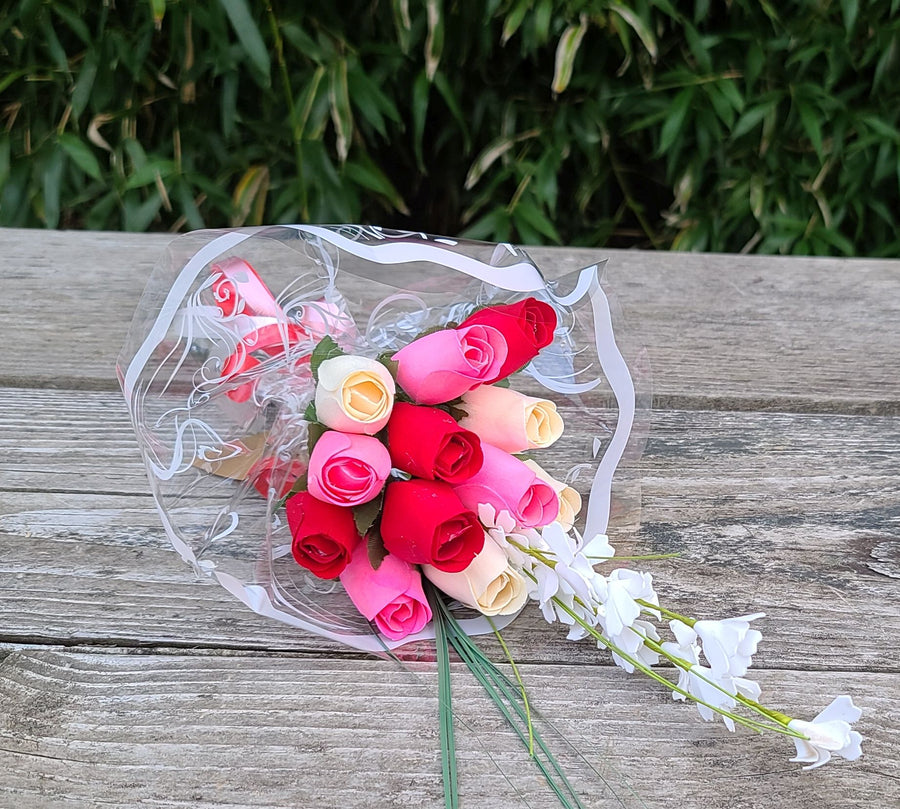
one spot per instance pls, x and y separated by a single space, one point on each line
354 394
510 420
569 499
488 584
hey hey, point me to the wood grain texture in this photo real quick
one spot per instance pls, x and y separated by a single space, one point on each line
209 731
729 332
125 681
776 512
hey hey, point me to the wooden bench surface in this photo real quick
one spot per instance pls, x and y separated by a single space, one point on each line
772 468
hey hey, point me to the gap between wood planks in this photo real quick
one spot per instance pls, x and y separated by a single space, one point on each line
742 404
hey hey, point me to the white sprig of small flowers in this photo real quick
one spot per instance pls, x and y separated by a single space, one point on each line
617 610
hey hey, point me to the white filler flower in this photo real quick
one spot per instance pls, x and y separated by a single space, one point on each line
729 645
828 733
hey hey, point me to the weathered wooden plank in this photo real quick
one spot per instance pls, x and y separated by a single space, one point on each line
207 731
735 332
768 511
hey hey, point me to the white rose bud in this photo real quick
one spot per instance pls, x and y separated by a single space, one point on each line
488 584
510 420
354 394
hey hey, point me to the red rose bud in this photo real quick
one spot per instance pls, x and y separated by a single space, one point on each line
424 522
428 443
324 535
528 327
276 473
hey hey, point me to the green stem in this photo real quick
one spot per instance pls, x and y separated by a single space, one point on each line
668 613
593 632
445 707
522 691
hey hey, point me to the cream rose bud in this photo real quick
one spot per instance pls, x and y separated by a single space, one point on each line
569 499
488 584
354 394
510 420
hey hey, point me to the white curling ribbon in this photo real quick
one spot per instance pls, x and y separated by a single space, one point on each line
488 584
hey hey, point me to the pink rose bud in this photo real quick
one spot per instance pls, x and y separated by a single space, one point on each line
445 364
505 483
391 597
346 469
510 420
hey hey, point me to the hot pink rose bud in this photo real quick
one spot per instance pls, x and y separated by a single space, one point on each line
391 597
347 469
505 483
445 364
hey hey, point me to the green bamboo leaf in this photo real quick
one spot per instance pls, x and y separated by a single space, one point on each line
341 114
751 118
492 152
674 122
640 27
434 42
514 20
849 8
809 117
158 10
421 92
74 21
529 213
566 50
84 84
370 176
446 91
5 161
402 23
52 187
81 154
150 172
248 34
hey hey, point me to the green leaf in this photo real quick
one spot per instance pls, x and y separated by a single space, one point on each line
421 91
310 413
81 154
74 21
368 175
158 10
446 91
641 28
809 117
52 183
535 218
375 546
751 118
314 431
674 121
492 152
514 19
366 514
434 42
325 349
341 114
248 34
566 51
81 92
849 8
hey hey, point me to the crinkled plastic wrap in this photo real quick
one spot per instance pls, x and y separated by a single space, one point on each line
216 375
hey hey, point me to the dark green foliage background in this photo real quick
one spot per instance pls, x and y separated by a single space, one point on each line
740 126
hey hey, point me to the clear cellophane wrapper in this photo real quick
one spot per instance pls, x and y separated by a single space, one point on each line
215 414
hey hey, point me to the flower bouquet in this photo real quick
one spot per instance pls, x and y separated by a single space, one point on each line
350 429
